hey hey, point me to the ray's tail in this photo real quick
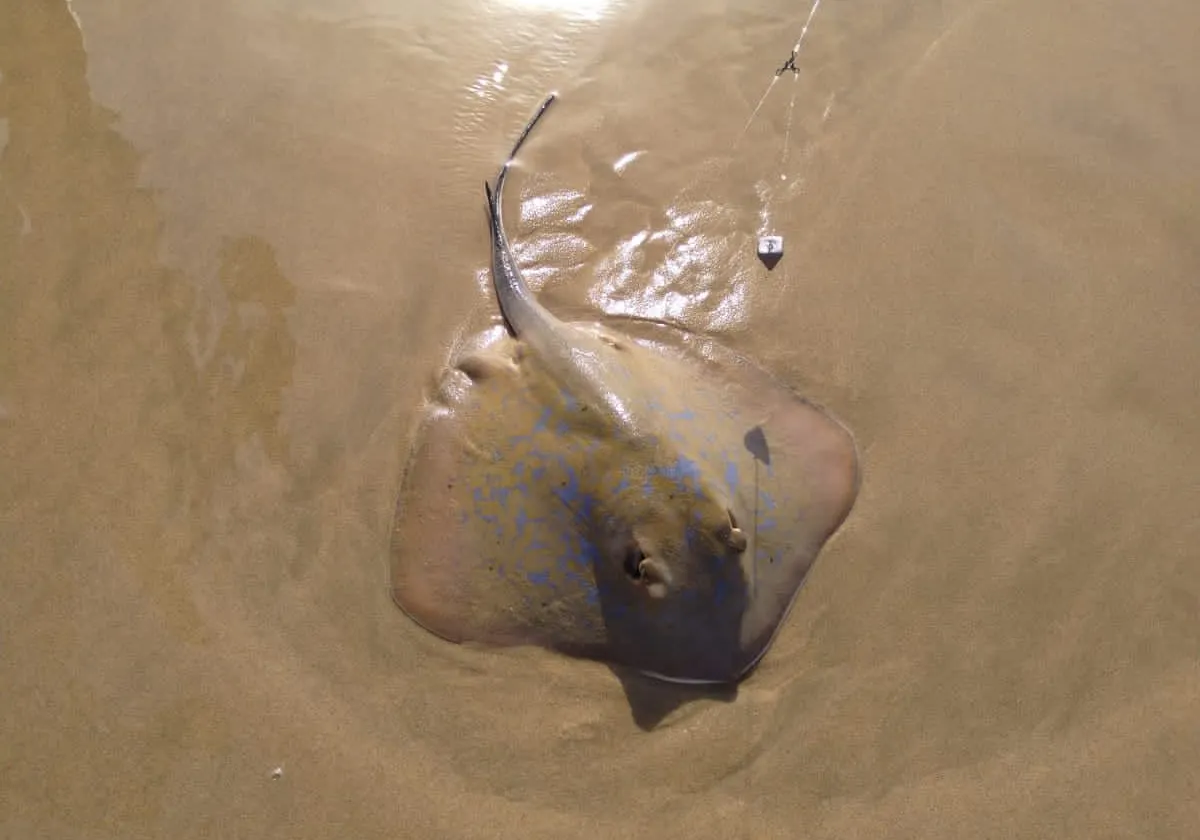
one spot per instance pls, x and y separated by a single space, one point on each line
520 308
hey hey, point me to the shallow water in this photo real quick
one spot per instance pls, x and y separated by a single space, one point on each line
237 239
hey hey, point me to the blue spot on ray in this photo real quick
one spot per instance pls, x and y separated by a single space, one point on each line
766 500
522 519
683 469
731 475
500 494
538 545
569 491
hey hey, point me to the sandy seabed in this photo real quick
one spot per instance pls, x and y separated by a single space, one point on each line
238 238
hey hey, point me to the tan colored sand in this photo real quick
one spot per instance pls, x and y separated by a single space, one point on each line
237 238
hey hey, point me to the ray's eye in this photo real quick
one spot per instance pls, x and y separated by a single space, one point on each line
633 561
732 535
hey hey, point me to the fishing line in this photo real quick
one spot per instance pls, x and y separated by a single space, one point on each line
790 64
770 245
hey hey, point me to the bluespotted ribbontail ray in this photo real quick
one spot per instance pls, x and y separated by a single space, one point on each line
647 498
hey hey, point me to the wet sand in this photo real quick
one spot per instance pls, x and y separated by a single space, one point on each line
237 240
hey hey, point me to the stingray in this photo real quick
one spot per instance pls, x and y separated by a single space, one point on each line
645 497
